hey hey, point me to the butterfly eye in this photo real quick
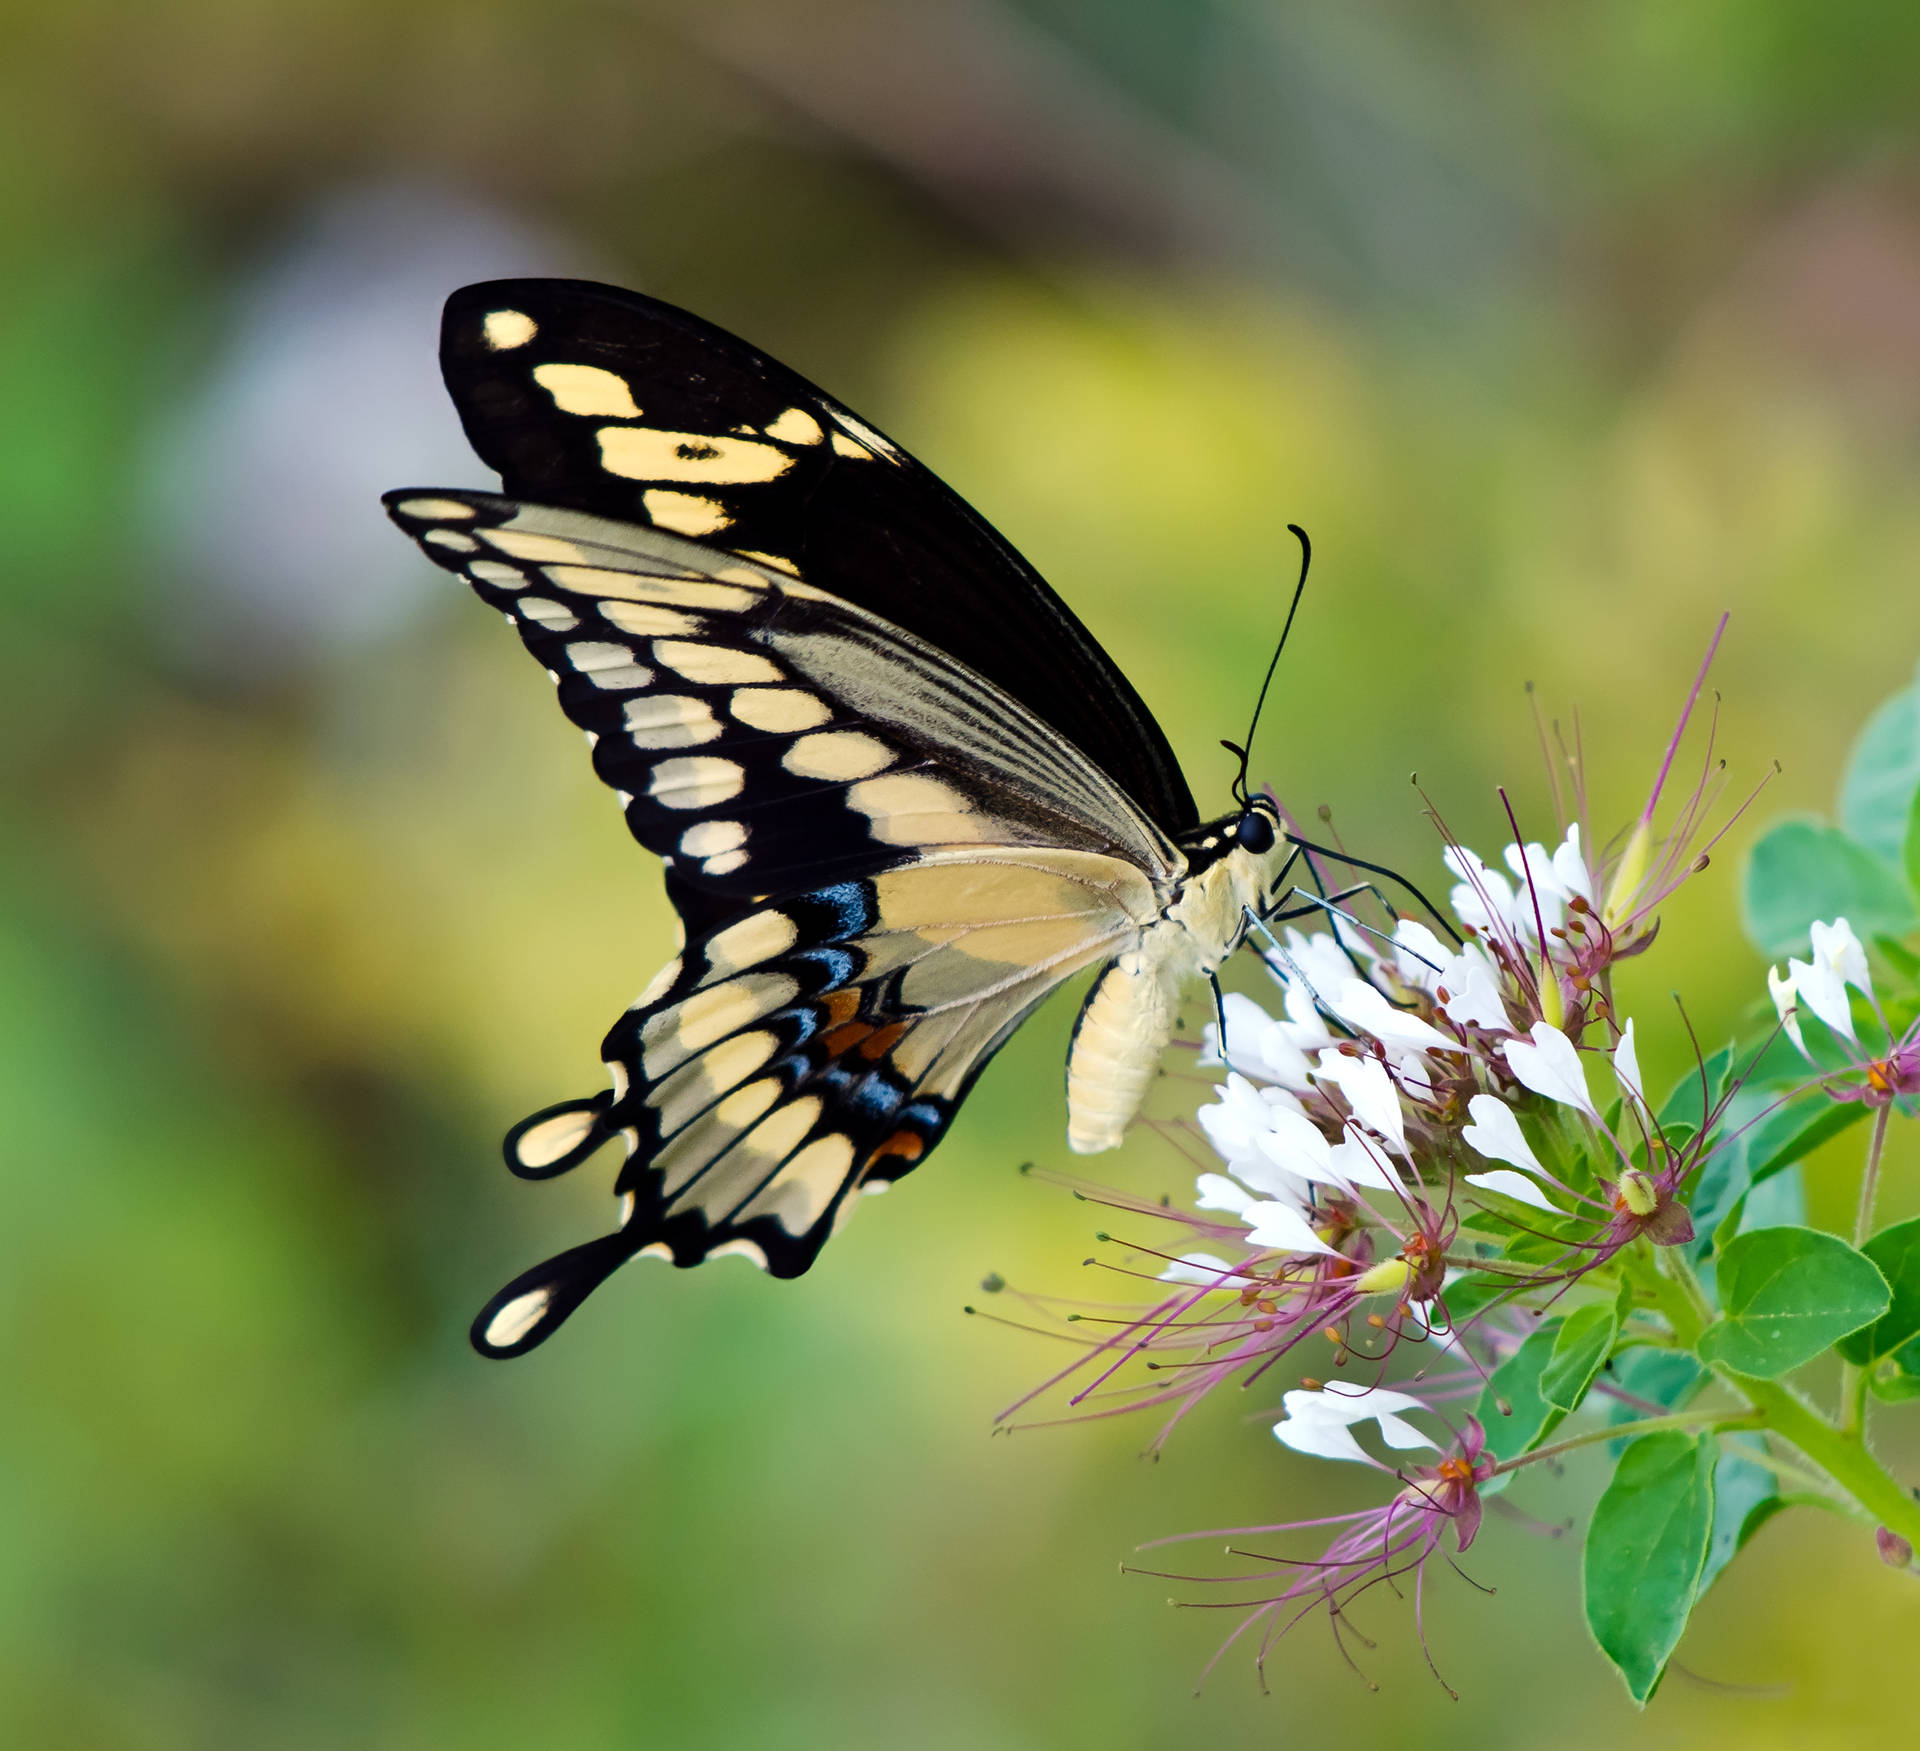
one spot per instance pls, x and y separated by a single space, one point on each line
1255 832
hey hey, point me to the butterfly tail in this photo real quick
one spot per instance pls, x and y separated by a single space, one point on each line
531 1308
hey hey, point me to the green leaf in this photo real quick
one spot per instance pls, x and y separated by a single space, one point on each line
1582 1344
1801 871
1910 849
1883 775
1646 1548
1528 1418
1684 1105
1793 1131
1745 1497
1896 1251
1788 1293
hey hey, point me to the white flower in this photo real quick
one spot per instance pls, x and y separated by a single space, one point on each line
1362 1008
1786 1001
1419 957
1369 1091
1821 984
1551 1066
1281 1228
1473 991
1481 898
1242 1113
1356 1161
1570 865
1258 1044
1540 886
1513 1185
1217 1192
1321 1423
1496 1134
1626 1067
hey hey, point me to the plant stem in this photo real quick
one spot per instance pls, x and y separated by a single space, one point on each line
1842 1455
1728 1420
1870 1176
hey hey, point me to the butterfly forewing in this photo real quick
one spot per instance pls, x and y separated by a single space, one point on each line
601 400
763 736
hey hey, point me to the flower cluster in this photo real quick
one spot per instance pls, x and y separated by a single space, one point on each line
1432 1141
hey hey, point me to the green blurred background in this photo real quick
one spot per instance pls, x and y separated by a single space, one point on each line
1562 329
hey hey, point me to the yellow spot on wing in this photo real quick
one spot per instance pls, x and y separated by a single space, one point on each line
713 664
547 1141
685 513
796 426
837 754
711 838
781 709
593 580
449 510
798 1195
756 938
644 453
909 808
506 329
697 782
646 619
517 1318
669 720
586 389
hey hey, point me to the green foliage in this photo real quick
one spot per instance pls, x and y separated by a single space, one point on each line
1802 871
1745 1496
1882 778
1895 1252
1513 1410
1786 1294
1646 1551
1580 1347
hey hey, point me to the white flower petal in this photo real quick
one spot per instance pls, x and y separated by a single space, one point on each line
1246 1022
1496 1134
1550 1066
1363 1008
1481 899
1369 1091
1835 945
1473 992
1357 1162
1321 1423
1786 1000
1821 989
1418 955
1217 1192
1626 1066
1295 1145
1513 1185
1570 865
1281 1228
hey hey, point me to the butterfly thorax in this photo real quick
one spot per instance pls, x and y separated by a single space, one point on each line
1235 867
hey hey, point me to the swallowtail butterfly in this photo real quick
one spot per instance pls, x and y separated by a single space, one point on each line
900 792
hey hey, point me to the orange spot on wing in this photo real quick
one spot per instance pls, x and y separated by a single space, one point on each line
845 1038
882 1040
908 1145
841 1007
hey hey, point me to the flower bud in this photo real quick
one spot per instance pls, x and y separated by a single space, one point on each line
1628 877
1894 1550
1386 1278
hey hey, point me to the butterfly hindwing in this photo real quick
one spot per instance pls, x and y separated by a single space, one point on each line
809 1050
600 400
762 735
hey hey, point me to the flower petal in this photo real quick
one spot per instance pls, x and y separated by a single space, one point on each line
1786 999
1820 987
1835 945
1281 1228
1321 1423
1358 1161
1473 992
1418 955
1496 1134
1217 1192
1369 1091
1512 1185
1363 1008
1626 1066
1550 1066
1202 1267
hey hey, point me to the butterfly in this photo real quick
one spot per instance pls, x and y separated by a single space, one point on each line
900 793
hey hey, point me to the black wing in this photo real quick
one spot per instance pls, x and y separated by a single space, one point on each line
600 400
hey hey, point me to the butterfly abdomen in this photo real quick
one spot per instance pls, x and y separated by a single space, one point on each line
1125 1024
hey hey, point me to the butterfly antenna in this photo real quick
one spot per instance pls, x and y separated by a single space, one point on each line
1244 749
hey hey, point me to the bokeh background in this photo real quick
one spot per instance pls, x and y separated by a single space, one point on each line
1562 329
